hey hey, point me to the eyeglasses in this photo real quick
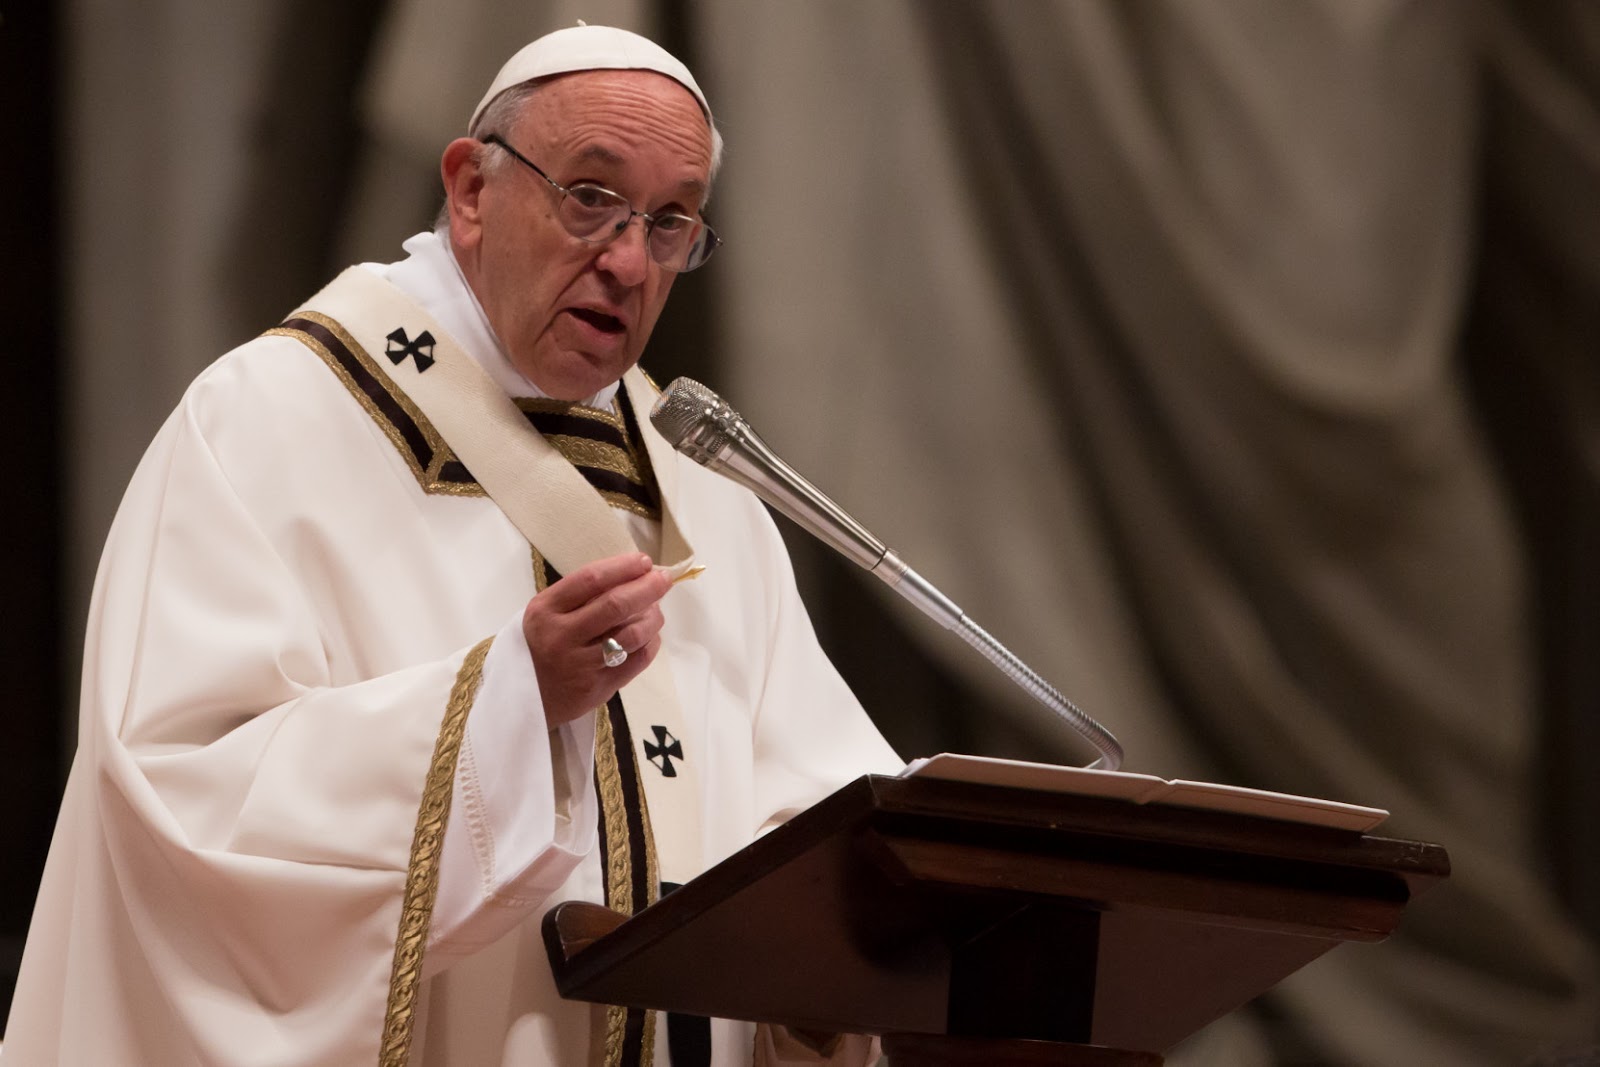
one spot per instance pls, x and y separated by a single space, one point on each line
594 213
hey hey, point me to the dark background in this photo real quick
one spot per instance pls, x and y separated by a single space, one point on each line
32 662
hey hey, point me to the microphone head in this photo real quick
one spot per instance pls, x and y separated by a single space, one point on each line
683 407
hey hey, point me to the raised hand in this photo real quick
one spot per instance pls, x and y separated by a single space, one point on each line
568 624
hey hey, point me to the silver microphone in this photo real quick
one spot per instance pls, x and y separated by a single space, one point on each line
698 423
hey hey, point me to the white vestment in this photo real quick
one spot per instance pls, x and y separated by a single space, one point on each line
295 653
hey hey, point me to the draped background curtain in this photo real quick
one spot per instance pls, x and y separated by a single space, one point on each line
1233 362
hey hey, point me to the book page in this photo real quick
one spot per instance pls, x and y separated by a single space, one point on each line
1146 789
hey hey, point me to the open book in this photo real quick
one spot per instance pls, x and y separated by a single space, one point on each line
1146 789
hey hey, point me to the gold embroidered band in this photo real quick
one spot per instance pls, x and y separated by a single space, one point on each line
422 873
425 452
604 446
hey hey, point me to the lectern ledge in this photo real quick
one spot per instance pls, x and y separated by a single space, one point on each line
977 923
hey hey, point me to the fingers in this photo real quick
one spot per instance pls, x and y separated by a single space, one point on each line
632 605
594 579
602 598
637 631
566 624
597 601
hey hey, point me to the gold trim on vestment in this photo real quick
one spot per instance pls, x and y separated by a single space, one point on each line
626 503
652 870
440 452
626 457
587 452
422 872
619 872
619 866
544 405
613 809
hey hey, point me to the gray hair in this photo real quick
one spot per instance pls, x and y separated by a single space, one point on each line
502 113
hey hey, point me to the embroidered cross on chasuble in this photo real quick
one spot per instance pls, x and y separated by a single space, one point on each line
606 449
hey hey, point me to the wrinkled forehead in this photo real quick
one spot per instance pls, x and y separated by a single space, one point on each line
617 119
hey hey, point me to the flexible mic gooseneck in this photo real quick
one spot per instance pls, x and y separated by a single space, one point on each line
698 423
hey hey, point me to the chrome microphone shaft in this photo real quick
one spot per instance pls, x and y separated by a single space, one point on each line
703 427
725 443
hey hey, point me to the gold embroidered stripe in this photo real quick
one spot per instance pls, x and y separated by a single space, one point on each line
422 872
627 853
604 446
612 472
580 420
601 455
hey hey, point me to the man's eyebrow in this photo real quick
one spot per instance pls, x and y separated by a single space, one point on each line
693 187
600 154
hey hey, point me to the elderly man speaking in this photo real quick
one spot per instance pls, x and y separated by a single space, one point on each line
387 652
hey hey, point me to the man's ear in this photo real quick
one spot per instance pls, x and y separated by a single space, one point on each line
463 185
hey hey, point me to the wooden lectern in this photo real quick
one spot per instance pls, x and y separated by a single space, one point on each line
982 924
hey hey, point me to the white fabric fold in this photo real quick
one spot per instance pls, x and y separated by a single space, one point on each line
524 812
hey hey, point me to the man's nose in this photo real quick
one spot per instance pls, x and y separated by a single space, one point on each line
627 255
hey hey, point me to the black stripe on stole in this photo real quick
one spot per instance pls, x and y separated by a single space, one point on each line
571 423
636 842
641 455
409 431
612 482
628 770
380 392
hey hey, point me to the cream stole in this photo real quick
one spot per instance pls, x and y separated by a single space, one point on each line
563 517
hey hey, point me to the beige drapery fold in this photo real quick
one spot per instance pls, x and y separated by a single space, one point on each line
1144 317
1134 326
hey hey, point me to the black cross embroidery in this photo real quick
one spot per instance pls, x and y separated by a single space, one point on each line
401 346
664 751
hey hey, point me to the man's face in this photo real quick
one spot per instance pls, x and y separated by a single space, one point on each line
574 315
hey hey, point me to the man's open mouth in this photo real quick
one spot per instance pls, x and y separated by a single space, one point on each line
599 320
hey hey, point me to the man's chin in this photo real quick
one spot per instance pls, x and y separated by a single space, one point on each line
576 375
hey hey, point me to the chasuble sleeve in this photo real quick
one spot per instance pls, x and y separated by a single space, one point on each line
511 842
810 734
278 673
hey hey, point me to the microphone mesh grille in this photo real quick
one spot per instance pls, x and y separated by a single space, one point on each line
680 407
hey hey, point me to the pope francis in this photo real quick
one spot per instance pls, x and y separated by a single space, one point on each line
392 646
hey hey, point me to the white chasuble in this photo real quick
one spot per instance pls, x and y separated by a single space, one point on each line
304 600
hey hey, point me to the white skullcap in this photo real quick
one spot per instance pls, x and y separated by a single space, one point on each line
584 47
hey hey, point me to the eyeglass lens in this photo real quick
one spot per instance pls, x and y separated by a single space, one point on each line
593 213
